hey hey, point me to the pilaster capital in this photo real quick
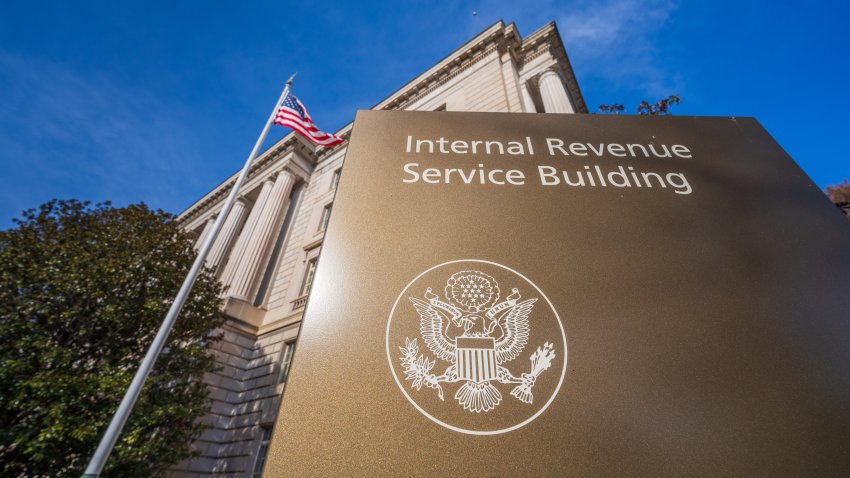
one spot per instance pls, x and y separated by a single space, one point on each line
548 73
285 173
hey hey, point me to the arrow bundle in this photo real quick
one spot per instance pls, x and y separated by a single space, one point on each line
540 361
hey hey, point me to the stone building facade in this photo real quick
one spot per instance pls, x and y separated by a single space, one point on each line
267 250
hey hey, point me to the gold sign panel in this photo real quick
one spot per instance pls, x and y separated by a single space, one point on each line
572 295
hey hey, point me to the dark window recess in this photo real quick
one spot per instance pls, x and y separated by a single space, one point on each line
262 453
286 361
308 277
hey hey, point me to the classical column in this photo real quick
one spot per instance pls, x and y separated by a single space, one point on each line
241 242
554 93
527 102
228 232
244 270
206 232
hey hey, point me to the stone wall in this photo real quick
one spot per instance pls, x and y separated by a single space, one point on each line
245 393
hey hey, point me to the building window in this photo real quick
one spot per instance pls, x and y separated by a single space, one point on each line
265 438
326 216
308 277
335 178
286 360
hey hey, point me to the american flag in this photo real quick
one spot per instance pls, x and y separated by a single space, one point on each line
294 114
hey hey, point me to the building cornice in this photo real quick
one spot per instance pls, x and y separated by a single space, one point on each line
463 57
288 144
445 70
498 37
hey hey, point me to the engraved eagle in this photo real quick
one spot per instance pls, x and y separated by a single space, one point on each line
434 328
477 335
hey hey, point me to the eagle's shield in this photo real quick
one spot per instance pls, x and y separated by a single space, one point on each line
476 358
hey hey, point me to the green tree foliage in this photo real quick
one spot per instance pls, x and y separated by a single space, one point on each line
613 108
661 107
83 290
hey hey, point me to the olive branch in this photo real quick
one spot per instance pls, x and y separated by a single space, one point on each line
417 367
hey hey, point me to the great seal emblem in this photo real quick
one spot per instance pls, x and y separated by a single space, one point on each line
454 345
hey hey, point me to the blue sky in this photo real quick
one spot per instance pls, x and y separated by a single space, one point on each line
160 101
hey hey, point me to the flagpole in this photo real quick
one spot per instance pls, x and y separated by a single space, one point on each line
107 442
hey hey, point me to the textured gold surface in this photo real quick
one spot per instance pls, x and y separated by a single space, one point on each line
708 333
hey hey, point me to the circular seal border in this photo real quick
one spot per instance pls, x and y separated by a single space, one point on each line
452 427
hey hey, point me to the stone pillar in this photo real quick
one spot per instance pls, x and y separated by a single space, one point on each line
241 242
227 233
554 93
206 232
527 102
246 263
513 97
